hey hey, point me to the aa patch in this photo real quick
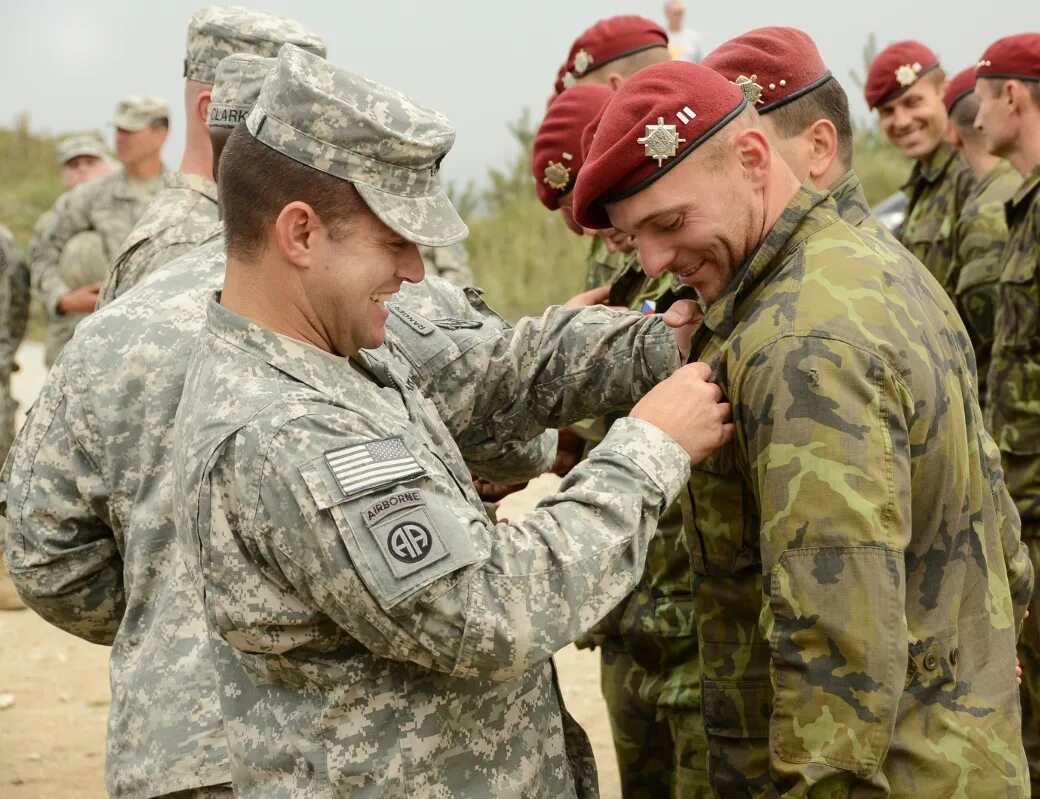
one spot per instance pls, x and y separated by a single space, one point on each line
404 532
365 467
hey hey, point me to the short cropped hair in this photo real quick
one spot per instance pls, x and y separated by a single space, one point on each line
255 182
827 101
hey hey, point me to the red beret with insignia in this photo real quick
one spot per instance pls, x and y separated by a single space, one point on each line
772 66
1013 57
657 118
960 86
611 39
556 153
895 69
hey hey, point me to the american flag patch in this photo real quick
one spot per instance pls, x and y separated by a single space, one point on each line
362 467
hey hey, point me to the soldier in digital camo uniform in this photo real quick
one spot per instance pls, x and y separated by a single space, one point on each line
398 640
982 229
90 496
1008 92
184 212
859 579
11 261
648 652
67 283
905 85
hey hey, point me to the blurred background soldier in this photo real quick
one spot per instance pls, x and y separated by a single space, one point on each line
684 44
66 270
184 211
981 232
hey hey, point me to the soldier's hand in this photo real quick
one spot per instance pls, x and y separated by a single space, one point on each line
1018 670
689 409
81 300
596 296
685 316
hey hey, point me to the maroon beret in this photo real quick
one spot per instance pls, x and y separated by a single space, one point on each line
556 152
1016 57
960 86
895 69
608 40
772 66
657 118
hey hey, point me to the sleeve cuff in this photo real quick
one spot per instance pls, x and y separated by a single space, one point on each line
653 451
660 354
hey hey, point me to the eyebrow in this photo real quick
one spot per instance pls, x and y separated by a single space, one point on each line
664 212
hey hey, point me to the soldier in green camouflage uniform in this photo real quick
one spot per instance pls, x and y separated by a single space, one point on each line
1009 116
981 231
107 209
184 212
649 670
859 579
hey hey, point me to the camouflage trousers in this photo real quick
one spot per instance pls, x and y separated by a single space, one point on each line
1029 655
661 750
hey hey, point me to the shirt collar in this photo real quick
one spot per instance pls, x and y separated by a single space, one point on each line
786 234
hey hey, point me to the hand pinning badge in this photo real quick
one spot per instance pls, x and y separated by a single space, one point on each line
661 141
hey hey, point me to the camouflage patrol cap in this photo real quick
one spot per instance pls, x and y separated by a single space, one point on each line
80 144
218 31
389 147
139 111
236 87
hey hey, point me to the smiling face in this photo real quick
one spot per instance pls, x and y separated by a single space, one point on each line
996 117
915 122
703 219
354 271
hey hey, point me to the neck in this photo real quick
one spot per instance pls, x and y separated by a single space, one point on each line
246 292
149 167
978 158
198 151
1026 155
928 159
829 179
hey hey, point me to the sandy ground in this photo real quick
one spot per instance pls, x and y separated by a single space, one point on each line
54 690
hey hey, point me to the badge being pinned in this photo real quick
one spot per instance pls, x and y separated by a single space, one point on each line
661 141
752 91
373 464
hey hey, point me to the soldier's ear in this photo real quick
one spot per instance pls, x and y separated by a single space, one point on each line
754 154
614 80
823 139
201 109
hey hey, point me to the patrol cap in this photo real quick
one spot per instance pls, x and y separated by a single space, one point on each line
895 69
218 31
960 86
236 87
609 40
658 117
139 111
556 152
1013 57
389 147
772 65
80 144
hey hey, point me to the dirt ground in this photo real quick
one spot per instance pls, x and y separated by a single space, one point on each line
54 690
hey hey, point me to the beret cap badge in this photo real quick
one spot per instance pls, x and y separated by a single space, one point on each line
557 176
907 74
661 141
582 61
752 90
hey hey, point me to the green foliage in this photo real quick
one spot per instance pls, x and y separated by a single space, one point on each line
522 255
882 169
29 181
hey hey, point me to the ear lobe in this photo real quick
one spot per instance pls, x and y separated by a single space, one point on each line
202 106
293 233
754 153
824 139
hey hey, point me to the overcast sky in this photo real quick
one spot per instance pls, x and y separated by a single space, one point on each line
66 62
